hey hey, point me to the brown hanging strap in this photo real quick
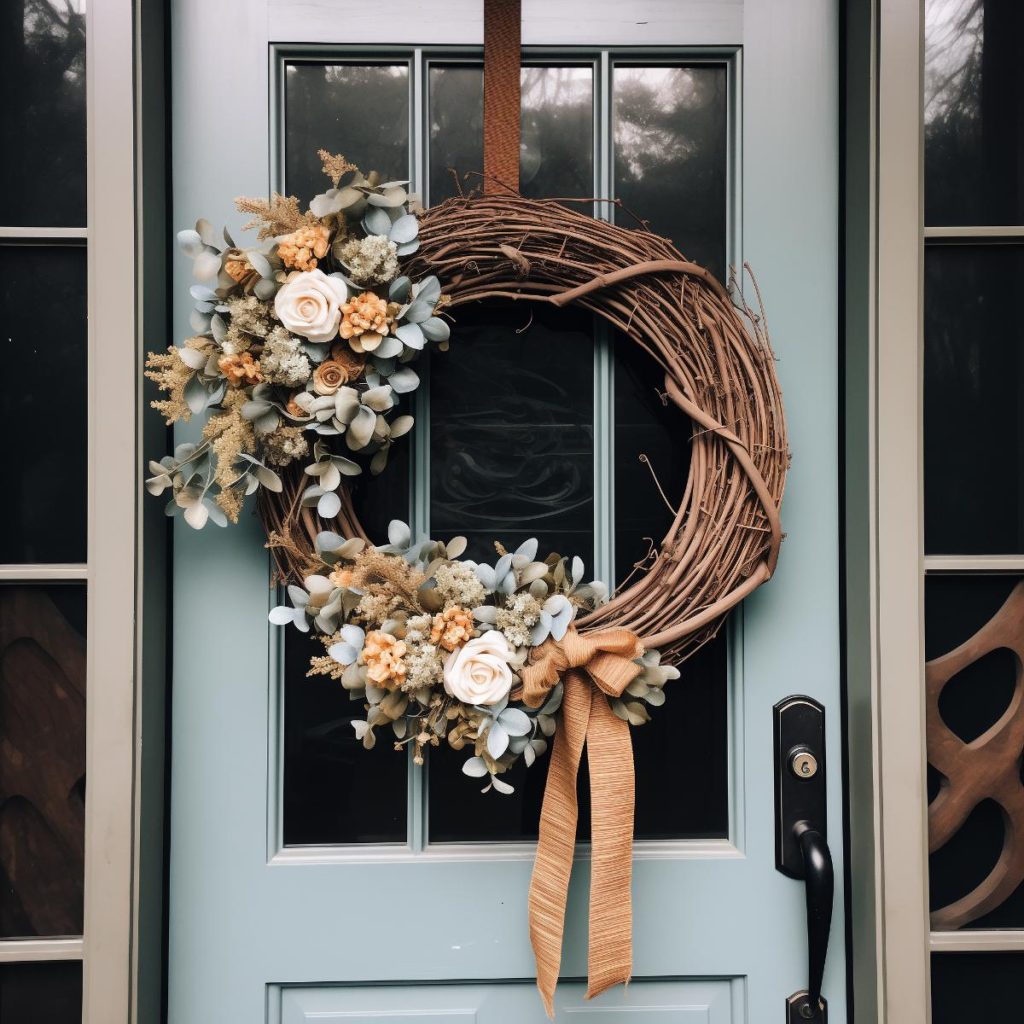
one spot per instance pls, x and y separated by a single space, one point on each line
502 42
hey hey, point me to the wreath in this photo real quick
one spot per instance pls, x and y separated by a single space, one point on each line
302 357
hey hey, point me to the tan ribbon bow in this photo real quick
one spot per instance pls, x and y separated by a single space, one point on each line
591 666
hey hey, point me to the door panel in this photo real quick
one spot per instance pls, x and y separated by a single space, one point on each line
291 888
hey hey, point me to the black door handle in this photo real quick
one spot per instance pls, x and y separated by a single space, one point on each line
801 848
819 882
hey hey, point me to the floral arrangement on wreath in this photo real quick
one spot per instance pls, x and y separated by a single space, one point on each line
301 354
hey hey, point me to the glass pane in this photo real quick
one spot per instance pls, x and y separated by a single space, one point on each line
42 759
41 993
557 143
359 110
956 607
645 427
974 112
42 516
511 431
975 987
973 400
334 790
681 763
42 81
671 134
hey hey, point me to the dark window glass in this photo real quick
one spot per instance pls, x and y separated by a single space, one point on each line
511 431
652 455
681 761
41 993
334 790
973 400
42 116
974 112
975 987
42 760
670 138
359 110
43 400
956 607
557 131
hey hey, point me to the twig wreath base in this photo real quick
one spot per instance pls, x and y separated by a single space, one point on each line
719 371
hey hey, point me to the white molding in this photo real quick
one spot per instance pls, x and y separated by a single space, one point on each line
22 951
460 22
113 495
8 234
31 572
973 563
979 233
643 850
981 940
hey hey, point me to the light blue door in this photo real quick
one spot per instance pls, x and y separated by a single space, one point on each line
310 880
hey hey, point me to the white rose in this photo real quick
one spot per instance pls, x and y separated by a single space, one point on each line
310 304
479 672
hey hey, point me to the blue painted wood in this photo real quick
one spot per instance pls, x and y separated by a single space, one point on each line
243 918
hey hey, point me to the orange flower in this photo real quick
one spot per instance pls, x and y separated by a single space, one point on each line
382 655
341 577
365 320
452 627
302 248
240 370
328 377
238 270
294 409
353 362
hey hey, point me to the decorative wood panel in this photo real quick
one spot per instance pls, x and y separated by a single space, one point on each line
988 767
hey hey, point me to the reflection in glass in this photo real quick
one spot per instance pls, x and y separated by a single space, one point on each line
956 607
42 81
43 403
670 138
681 759
334 790
42 759
974 112
41 993
973 400
359 110
511 431
557 144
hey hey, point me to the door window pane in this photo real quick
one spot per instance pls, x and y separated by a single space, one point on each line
974 112
511 430
42 81
976 987
557 130
670 138
358 110
681 762
956 607
41 993
42 759
973 400
43 391
334 790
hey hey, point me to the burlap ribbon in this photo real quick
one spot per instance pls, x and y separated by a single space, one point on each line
591 666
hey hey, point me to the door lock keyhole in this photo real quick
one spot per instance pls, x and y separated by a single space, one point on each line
802 763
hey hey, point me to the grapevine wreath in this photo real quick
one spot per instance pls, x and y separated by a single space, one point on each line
302 357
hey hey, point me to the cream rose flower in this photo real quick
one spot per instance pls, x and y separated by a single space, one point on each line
479 671
309 303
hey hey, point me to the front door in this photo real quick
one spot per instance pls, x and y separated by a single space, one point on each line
313 880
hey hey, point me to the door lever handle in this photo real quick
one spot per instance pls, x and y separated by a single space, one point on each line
801 847
819 883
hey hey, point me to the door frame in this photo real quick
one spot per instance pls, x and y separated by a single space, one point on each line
128 95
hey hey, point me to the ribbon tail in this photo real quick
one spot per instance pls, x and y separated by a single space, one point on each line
549 885
610 759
